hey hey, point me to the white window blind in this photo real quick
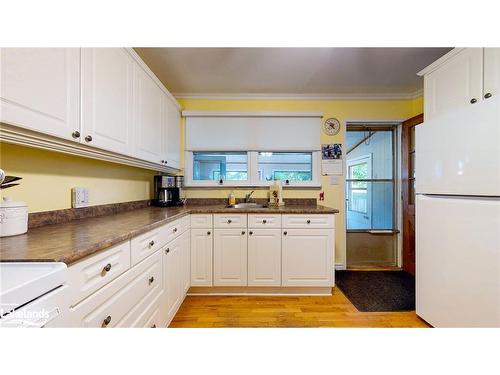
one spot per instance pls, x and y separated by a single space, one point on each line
257 131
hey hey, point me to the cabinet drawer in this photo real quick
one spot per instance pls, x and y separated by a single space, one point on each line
91 274
147 243
173 230
264 221
230 221
201 221
308 221
143 312
115 302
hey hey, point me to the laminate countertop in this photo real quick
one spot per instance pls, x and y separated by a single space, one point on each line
74 240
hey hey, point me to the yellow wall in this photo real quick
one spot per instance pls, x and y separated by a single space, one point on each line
49 176
417 106
342 110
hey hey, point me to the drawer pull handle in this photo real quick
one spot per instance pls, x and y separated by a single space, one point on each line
229 221
153 326
106 321
175 230
473 101
285 233
151 279
308 221
151 244
167 251
250 233
106 268
487 95
264 221
209 233
242 232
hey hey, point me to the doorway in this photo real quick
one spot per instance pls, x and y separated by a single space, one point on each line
408 190
371 176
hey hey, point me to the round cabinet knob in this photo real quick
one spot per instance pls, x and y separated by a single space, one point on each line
166 161
175 230
75 134
107 267
106 321
209 233
151 279
88 138
287 182
487 95
473 101
308 221
229 221
285 233
264 221
153 326
221 181
151 244
163 161
242 232
167 251
250 233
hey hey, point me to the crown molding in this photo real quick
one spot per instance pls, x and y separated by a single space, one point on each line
193 113
333 96
436 64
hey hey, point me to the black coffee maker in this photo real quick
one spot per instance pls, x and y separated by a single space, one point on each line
167 191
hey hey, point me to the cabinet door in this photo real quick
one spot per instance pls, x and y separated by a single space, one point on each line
107 101
454 84
264 257
201 257
186 264
491 72
149 118
173 136
40 89
307 257
230 257
172 277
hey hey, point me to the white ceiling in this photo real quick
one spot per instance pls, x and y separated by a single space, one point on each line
289 71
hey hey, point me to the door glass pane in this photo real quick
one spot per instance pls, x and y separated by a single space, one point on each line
371 205
228 166
293 166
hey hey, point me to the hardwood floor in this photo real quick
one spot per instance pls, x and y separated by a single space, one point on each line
262 311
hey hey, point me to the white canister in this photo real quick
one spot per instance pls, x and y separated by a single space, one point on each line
13 217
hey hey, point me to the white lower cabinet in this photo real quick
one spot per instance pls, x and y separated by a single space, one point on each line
264 257
307 257
201 257
230 257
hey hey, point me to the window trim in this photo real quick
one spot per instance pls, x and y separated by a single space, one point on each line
253 173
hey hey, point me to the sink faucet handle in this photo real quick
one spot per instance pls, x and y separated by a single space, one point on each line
247 196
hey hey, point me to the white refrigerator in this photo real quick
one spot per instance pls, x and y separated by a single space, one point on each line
458 217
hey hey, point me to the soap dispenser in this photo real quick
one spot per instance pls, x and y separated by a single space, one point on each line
232 199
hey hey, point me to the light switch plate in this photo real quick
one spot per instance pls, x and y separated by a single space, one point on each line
79 197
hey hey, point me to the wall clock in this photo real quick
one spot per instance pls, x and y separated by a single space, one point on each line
331 126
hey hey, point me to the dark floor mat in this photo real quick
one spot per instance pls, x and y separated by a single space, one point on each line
378 290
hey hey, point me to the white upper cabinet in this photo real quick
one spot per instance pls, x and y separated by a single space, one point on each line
149 118
107 99
491 72
173 133
457 83
40 89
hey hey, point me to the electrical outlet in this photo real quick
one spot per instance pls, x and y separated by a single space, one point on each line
79 197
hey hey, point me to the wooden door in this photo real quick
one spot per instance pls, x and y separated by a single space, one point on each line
264 257
107 101
40 90
230 257
408 191
307 257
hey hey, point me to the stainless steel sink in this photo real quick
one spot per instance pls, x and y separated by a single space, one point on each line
248 205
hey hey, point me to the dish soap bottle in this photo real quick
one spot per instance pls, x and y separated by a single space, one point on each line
232 199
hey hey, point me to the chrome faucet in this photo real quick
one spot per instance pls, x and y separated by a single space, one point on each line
247 196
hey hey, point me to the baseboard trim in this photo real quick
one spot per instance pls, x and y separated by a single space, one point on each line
260 291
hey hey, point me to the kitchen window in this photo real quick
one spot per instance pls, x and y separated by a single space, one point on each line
252 168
